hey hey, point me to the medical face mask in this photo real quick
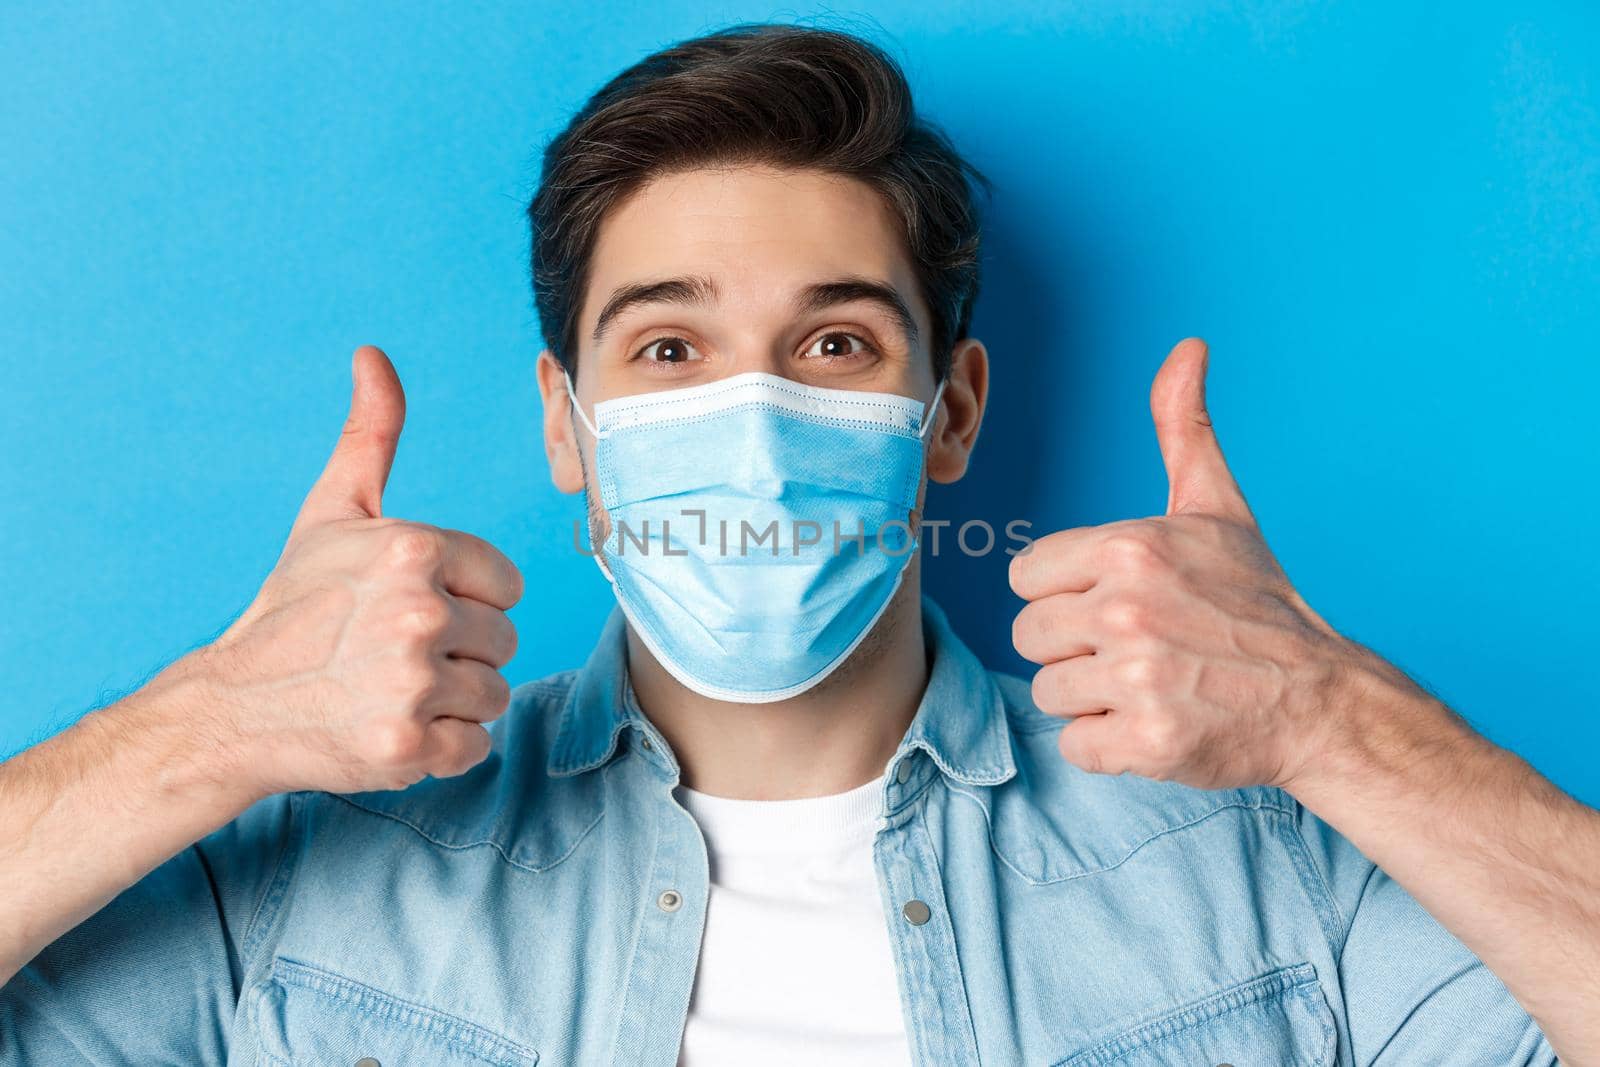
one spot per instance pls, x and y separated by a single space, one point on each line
759 527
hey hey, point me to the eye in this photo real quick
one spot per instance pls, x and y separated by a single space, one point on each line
836 345
668 350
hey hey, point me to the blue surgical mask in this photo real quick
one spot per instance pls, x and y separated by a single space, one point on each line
759 527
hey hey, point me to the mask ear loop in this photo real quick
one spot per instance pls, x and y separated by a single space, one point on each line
932 413
598 556
579 407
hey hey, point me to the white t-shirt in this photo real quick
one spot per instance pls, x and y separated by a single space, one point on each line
795 964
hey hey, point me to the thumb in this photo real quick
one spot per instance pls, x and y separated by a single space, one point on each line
351 485
1198 478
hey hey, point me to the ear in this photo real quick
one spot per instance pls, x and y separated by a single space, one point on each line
560 440
960 412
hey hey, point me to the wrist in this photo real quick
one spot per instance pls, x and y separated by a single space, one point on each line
1372 724
180 718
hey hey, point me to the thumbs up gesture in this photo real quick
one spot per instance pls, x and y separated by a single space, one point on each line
370 658
1175 645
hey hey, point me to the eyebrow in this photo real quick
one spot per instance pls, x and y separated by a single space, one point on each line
695 290
698 290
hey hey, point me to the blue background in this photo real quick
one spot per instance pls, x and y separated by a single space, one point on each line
1385 219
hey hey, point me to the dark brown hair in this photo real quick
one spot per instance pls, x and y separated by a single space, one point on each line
758 93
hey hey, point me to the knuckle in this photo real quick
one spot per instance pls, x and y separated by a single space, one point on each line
1024 633
1017 572
1136 671
475 749
1161 740
1043 690
1135 554
408 778
424 615
400 777
1140 672
462 748
1078 752
413 545
496 694
1129 547
1053 627
394 742
415 680
501 638
1125 614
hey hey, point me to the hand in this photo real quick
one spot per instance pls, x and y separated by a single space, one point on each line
1175 644
370 658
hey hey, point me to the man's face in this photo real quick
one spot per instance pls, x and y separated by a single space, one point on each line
796 273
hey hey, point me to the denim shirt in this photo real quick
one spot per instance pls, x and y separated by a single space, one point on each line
547 907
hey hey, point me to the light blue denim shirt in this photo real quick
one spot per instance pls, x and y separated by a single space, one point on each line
547 906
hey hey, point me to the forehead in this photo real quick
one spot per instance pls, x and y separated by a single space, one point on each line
761 231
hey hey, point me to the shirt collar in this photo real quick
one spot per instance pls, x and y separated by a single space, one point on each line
960 722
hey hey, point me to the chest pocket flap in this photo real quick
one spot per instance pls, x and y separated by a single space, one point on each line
306 1016
1279 1019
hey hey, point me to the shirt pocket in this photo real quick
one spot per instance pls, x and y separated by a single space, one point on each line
1279 1019
306 1015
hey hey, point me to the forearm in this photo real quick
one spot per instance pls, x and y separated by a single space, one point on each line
1503 859
90 811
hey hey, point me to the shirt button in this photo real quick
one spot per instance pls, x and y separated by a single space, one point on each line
903 774
669 900
645 742
916 912
368 1061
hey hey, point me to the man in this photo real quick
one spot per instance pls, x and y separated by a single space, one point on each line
782 814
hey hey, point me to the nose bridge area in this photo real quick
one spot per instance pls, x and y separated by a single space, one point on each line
757 343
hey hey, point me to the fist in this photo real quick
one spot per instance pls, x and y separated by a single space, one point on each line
1175 645
370 658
